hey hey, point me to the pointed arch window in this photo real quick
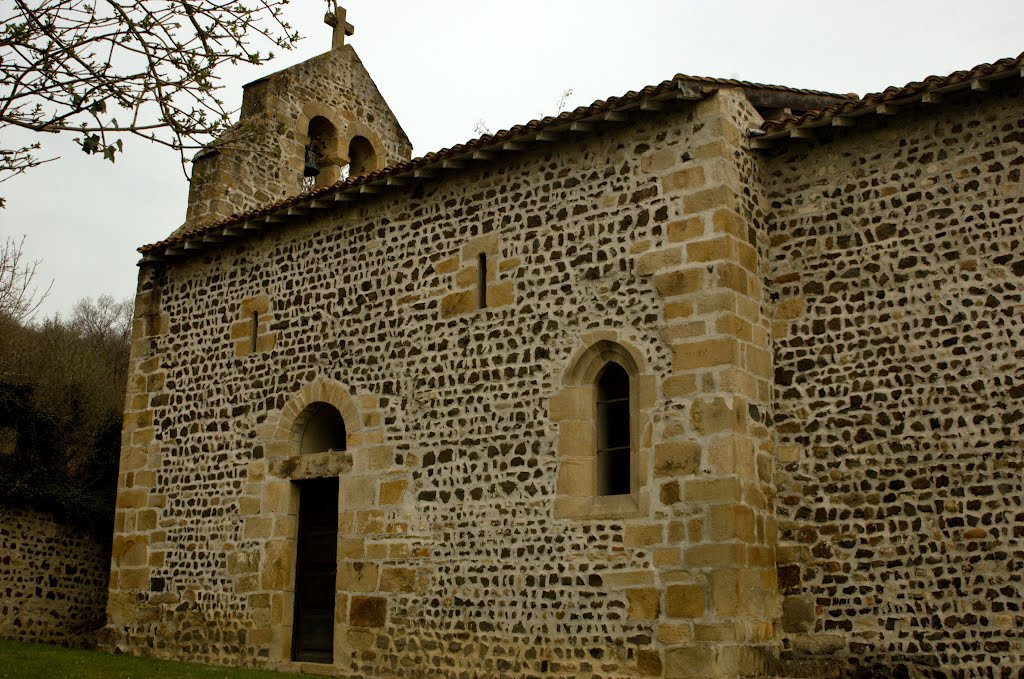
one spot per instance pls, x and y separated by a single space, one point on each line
603 413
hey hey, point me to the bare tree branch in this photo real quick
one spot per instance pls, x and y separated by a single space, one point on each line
106 68
20 297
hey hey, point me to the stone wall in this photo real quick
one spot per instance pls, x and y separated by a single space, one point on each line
53 580
470 541
898 271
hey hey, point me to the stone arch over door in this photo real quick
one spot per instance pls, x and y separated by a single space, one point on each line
374 500
573 409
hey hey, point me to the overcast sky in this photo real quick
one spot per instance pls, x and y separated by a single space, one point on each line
447 64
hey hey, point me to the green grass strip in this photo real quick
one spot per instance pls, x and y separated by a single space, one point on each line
40 661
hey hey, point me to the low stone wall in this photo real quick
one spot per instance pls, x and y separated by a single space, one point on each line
53 580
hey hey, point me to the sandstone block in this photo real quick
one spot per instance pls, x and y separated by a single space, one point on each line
709 199
724 584
648 663
711 249
130 551
703 556
678 309
649 262
458 303
675 283
712 490
729 222
715 632
644 604
672 634
717 415
731 522
446 266
684 601
798 614
678 386
676 458
705 354
357 576
576 477
468 276
572 403
487 243
392 492
576 438
686 179
277 565
500 294
135 578
368 611
790 308
398 580
266 342
659 160
693 662
643 536
687 229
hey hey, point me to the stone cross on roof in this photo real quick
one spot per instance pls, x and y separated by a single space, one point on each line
336 20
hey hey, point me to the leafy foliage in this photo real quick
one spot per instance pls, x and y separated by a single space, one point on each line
103 68
62 387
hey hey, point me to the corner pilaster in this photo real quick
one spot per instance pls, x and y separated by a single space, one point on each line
713 464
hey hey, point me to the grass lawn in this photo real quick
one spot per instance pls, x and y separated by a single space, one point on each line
41 661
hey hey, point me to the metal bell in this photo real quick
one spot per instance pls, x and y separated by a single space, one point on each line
310 169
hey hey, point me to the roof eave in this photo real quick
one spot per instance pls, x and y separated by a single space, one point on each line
431 166
880 106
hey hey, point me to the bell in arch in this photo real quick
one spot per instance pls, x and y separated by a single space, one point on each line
311 167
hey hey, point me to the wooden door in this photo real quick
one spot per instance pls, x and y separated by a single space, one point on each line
315 569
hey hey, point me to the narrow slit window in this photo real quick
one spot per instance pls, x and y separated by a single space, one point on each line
254 330
482 282
614 447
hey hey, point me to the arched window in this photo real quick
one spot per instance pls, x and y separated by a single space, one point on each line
323 429
362 158
614 450
603 414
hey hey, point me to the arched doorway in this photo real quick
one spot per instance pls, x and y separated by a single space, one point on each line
319 429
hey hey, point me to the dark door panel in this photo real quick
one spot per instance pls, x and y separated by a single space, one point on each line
315 571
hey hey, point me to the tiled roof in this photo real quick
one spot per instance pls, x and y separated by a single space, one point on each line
838 111
680 86
913 92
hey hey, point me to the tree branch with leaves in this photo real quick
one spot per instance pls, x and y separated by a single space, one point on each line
103 69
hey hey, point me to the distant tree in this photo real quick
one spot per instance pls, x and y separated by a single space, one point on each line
101 69
20 296
62 389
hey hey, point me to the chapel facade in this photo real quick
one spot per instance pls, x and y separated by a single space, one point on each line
713 379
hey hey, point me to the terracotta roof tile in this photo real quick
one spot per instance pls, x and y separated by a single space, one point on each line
930 84
845 104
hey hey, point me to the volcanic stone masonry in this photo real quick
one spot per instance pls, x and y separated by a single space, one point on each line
53 580
826 374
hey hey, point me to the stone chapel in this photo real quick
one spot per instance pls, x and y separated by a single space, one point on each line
713 379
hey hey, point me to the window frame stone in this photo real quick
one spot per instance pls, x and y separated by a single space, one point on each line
573 409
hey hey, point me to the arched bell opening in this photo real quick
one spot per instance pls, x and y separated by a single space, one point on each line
362 157
320 160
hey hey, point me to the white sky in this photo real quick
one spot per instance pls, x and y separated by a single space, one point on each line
444 65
